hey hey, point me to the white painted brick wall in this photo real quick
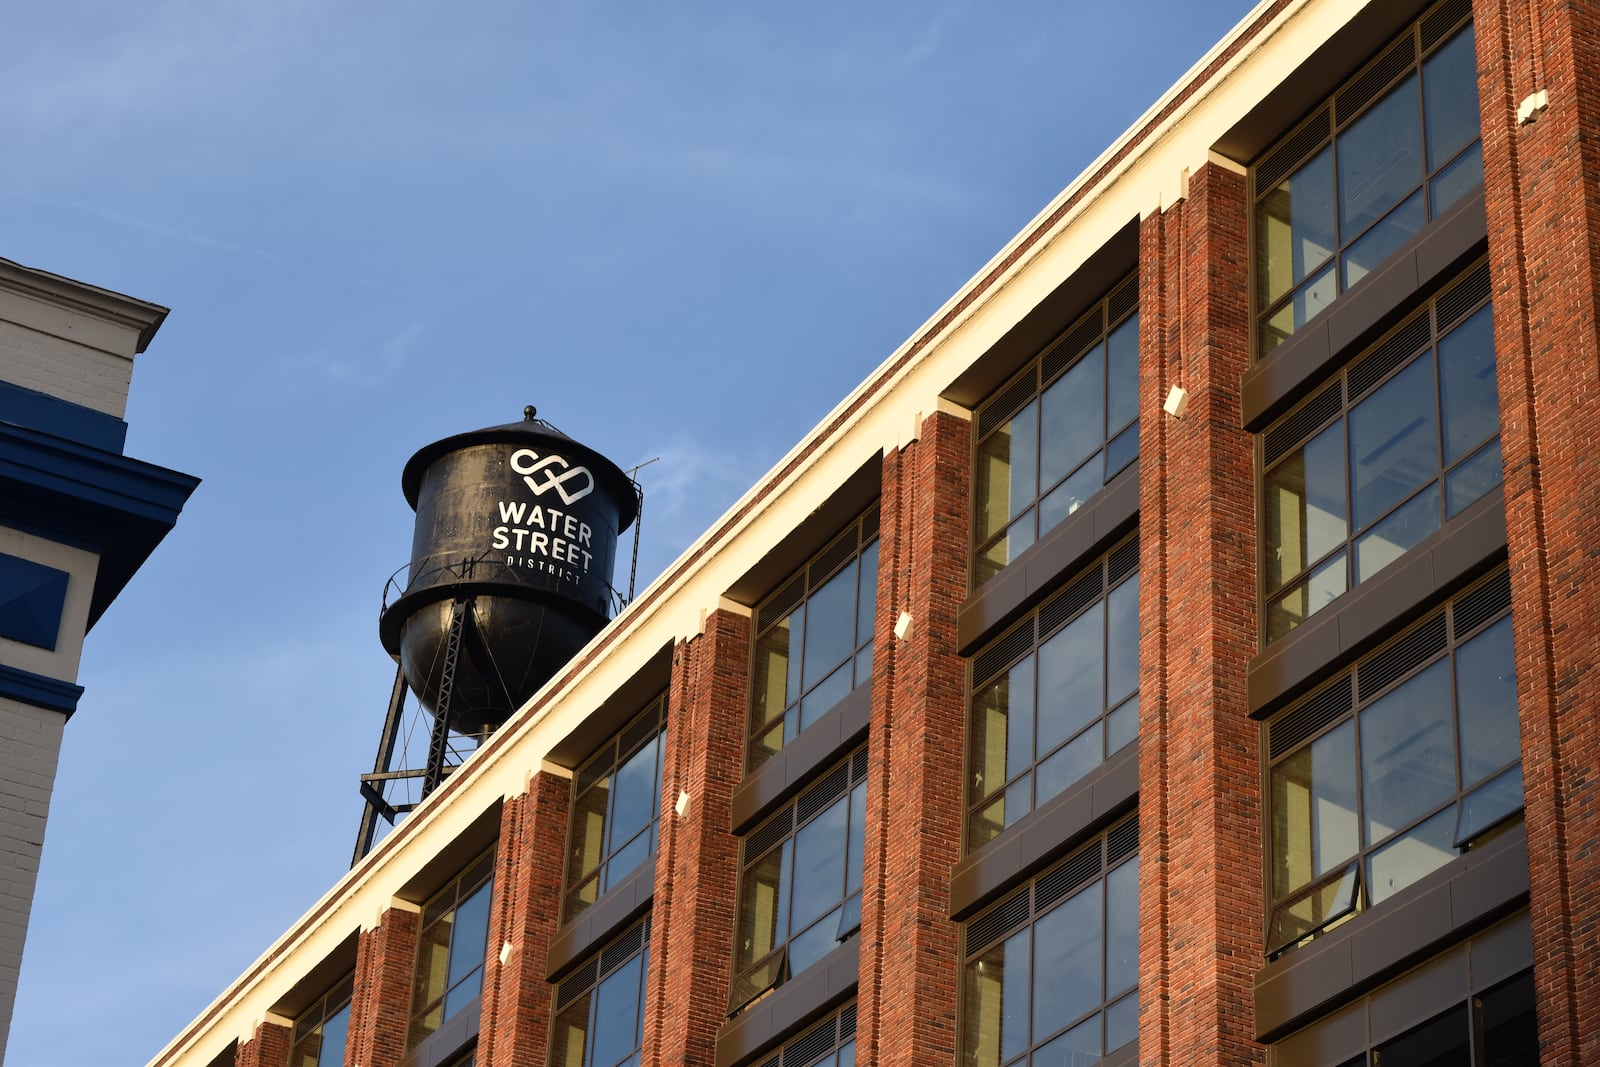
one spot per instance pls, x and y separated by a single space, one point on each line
30 745
73 372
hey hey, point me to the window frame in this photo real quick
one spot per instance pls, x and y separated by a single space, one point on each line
1091 585
1366 683
1336 113
824 1043
849 546
587 980
1472 1019
1088 866
644 729
313 1022
1416 339
1089 333
476 877
775 837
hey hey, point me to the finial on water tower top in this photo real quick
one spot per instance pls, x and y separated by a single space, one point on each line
529 412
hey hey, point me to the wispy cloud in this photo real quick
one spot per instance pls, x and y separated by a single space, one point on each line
694 482
386 361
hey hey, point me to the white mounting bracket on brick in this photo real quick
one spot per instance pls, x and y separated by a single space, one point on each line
1531 105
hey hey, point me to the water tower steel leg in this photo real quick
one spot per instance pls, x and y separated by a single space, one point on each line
386 743
433 774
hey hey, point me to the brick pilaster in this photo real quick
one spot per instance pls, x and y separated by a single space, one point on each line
1199 789
268 1048
910 973
515 1029
691 934
385 961
1542 185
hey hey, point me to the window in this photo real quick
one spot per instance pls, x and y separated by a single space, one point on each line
831 1043
1058 432
1053 969
1055 696
319 1034
1496 1028
800 889
1399 443
1396 767
814 639
616 802
600 1007
1393 148
455 935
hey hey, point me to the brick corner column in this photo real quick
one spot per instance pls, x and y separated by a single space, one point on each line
269 1047
386 957
1201 896
515 1027
697 860
1541 190
910 973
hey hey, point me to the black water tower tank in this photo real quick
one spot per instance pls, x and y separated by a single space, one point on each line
519 523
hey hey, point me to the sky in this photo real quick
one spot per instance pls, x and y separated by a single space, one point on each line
681 230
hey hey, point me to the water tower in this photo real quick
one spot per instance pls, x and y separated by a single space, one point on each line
510 576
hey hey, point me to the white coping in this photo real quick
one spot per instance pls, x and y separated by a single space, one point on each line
69 339
673 607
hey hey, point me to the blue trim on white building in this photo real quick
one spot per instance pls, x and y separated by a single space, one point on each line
61 418
28 688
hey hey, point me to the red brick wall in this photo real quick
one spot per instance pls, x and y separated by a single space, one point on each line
385 960
1199 790
691 934
515 1029
909 968
268 1048
1542 183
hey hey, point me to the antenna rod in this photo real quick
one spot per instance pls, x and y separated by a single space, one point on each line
638 524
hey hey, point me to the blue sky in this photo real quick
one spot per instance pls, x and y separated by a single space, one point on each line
681 230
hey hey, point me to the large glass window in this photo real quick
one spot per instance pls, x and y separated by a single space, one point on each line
1051 972
814 639
450 956
800 890
319 1034
1058 432
1393 148
1395 768
831 1043
616 808
1399 443
600 1007
1496 1028
1055 696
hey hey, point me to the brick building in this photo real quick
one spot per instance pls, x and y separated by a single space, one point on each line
1175 653
78 518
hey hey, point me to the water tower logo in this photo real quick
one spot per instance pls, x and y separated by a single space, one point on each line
529 464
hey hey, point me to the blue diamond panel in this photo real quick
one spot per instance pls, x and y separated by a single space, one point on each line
32 597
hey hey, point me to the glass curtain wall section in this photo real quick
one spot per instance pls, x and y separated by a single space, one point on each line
600 1007
813 641
1058 432
800 886
831 1043
616 810
1394 447
1396 146
319 1034
1395 768
1496 1028
1054 697
450 954
1051 973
